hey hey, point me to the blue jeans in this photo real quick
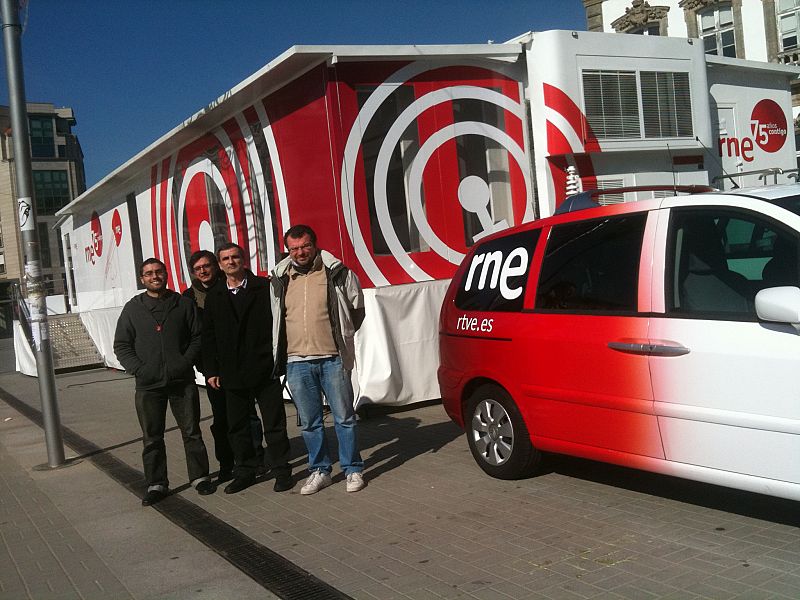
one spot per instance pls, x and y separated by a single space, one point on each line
308 380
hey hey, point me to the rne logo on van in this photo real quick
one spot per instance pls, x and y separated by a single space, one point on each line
492 265
497 274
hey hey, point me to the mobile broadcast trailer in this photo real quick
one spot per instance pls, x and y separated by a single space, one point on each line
402 157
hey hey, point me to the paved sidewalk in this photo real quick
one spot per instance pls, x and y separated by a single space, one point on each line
428 525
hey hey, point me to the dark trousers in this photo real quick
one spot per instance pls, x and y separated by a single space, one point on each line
269 398
219 428
151 408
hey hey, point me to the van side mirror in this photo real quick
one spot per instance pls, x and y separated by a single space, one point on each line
779 304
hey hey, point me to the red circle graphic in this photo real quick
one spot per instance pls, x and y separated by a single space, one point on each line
116 227
97 234
768 125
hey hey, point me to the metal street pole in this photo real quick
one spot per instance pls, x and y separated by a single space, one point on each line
12 31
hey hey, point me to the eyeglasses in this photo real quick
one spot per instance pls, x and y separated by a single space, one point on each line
203 267
306 246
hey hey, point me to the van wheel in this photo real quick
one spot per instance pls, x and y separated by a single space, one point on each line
497 435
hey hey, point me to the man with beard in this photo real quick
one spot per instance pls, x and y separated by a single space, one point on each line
318 307
157 340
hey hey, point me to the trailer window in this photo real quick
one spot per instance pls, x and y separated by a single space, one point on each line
666 104
611 102
484 158
396 170
612 99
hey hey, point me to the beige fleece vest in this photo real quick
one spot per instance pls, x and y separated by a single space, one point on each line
308 324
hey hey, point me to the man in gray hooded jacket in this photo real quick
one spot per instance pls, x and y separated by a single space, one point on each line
157 340
317 308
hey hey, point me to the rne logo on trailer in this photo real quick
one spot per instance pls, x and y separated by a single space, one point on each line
768 126
497 270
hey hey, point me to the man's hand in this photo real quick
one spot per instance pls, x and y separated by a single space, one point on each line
214 382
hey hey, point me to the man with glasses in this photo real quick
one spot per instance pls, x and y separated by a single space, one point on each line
237 358
157 340
317 308
205 269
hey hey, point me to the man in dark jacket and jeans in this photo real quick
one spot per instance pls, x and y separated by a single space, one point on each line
237 358
205 268
158 340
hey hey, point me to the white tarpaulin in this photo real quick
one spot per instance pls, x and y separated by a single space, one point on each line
23 354
101 324
398 344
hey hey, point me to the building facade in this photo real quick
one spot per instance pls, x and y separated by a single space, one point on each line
58 177
760 30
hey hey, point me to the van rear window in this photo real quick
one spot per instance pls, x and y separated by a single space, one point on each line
592 265
497 274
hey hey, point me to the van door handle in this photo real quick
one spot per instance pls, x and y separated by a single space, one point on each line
649 349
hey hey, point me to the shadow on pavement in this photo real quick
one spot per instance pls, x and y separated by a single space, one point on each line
398 439
748 504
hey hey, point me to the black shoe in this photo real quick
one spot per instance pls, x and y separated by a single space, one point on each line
153 496
224 475
239 484
283 483
205 487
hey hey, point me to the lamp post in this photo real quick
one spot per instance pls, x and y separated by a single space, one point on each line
26 210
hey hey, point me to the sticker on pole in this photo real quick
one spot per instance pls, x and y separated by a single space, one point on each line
24 208
768 125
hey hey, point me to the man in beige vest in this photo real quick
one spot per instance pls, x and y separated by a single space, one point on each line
317 307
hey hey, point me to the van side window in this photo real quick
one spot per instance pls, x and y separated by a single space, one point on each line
719 260
592 265
497 273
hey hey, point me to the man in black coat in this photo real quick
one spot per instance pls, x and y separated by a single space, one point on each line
237 357
206 275
157 340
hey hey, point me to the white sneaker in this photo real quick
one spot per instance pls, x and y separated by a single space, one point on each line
355 482
317 481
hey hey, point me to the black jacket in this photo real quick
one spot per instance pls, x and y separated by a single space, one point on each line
158 355
197 293
236 349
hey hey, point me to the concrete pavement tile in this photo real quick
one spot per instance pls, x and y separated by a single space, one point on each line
379 591
785 585
751 575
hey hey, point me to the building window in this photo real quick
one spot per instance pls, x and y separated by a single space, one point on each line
649 29
788 17
42 138
2 263
716 30
642 19
51 190
612 103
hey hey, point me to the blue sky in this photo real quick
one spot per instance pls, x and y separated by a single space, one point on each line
133 69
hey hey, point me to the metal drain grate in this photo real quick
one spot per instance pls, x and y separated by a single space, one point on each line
268 568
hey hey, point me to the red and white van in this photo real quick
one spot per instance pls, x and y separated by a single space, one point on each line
662 334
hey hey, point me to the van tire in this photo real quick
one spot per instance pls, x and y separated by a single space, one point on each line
497 435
